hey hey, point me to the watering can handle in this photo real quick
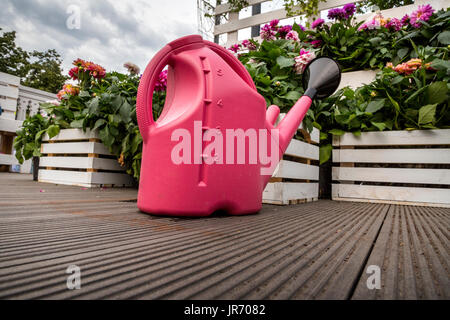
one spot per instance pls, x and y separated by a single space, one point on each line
161 59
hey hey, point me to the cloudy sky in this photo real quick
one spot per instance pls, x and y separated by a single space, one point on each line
111 31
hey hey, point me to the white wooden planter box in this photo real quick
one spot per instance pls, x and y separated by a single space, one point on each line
295 180
74 157
406 167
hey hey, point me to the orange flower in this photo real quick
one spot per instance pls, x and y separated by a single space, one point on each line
414 63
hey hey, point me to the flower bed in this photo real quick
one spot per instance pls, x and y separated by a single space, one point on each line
74 157
407 167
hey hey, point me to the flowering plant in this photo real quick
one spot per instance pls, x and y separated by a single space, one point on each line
406 96
101 101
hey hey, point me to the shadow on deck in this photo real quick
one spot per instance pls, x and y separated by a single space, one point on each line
318 250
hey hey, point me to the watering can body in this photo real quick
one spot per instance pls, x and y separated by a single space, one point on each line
208 91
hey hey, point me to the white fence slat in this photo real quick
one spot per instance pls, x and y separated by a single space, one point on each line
387 193
72 134
302 149
394 138
75 148
80 163
392 155
296 170
284 191
399 175
10 125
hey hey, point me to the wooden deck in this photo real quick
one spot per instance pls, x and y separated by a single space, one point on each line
318 250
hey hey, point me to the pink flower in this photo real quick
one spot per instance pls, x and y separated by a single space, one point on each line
292 35
317 23
73 73
423 13
249 45
234 48
394 24
274 24
405 20
284 30
161 83
316 43
267 33
302 60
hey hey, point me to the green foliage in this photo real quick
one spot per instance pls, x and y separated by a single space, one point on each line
107 105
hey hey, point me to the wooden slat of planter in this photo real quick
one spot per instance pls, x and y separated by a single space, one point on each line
395 138
282 192
80 163
400 194
302 149
72 134
85 179
392 155
75 148
296 170
401 175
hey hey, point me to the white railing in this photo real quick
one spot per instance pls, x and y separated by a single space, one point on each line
233 24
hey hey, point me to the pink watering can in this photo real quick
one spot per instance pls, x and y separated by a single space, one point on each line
214 146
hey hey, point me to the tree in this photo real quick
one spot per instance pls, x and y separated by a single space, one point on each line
45 72
40 70
13 59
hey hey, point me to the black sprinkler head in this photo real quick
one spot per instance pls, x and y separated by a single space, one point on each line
321 77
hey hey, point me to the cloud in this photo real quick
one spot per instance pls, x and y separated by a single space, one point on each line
111 32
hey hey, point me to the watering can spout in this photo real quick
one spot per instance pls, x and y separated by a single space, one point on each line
321 78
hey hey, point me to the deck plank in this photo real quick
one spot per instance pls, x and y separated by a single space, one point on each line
316 250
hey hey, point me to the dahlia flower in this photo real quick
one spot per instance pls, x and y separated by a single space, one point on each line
267 33
249 45
234 48
394 24
292 35
423 13
161 83
68 89
284 30
317 23
316 43
302 60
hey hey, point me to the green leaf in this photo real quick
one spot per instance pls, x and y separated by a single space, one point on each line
336 132
397 79
77 123
436 92
444 37
401 53
323 135
380 125
325 153
99 123
293 95
53 130
426 114
375 105
284 62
